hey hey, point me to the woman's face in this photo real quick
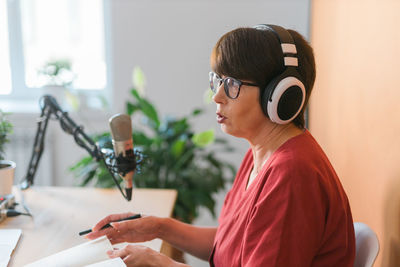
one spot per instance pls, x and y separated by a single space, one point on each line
241 117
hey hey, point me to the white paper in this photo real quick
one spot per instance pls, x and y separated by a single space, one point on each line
9 236
116 262
93 251
8 240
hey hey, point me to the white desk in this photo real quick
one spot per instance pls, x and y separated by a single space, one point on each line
60 213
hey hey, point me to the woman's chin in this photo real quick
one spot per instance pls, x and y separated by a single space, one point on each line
226 129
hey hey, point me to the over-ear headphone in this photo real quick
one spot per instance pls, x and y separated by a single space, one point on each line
284 96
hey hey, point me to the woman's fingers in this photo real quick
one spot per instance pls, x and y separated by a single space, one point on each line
109 232
125 225
134 230
116 239
110 218
136 255
143 224
121 253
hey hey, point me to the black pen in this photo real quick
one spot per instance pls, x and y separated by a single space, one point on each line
137 216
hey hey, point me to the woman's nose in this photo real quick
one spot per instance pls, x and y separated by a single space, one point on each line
219 95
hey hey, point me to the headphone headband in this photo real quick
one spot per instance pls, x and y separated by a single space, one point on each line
287 43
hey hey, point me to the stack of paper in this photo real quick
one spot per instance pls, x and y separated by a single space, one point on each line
92 253
8 240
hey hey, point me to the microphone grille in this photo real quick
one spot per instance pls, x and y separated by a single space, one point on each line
121 127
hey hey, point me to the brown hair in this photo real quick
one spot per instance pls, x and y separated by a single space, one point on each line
256 55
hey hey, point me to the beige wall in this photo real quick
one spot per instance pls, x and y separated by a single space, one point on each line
355 108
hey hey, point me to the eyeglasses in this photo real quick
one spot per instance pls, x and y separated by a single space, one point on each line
231 85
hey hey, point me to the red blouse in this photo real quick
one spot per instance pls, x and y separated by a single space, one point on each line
295 213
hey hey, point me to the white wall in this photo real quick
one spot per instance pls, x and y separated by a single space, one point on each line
171 41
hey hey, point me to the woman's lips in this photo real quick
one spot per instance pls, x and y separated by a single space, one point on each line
220 118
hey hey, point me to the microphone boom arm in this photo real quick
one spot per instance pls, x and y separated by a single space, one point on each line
49 107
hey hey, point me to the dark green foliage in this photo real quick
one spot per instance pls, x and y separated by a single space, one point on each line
175 157
5 130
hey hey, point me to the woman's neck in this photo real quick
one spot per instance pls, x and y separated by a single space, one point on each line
268 140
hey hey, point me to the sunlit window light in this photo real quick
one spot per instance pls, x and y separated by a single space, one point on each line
70 30
5 70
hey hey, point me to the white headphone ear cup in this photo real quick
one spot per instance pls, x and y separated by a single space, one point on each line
265 97
286 100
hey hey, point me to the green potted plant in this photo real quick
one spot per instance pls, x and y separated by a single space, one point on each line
7 167
175 157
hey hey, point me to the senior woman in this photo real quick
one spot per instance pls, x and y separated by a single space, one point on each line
287 206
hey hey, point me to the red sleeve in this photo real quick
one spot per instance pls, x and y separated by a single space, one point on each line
285 226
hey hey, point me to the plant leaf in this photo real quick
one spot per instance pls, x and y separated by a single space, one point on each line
139 80
146 108
197 112
204 138
177 148
131 108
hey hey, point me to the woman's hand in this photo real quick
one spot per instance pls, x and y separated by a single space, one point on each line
135 256
137 230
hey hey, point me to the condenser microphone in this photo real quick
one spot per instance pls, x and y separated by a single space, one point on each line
121 132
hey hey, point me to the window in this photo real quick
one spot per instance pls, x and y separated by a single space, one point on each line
5 73
52 30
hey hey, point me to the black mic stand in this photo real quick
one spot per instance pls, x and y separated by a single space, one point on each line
115 165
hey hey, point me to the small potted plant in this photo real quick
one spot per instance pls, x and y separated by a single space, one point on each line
7 167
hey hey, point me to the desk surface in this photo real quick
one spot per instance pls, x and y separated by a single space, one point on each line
60 213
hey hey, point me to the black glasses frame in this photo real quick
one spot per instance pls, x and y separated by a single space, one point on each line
214 87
